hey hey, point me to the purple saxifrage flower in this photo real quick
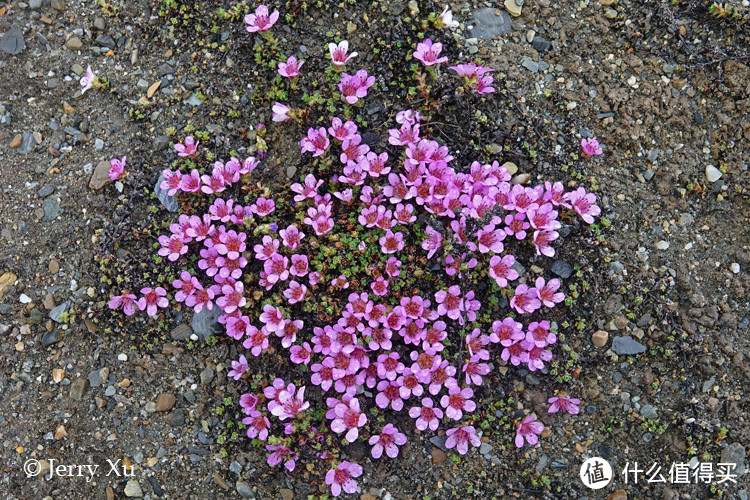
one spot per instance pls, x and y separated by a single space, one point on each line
117 168
460 437
339 55
528 431
389 440
564 404
590 147
428 53
342 477
189 148
261 20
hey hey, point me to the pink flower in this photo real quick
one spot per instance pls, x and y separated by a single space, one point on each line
542 240
583 204
238 368
87 80
276 269
392 267
349 417
126 301
190 183
433 243
379 286
187 285
590 147
339 55
237 325
314 278
450 302
267 249
261 21
291 404
525 299
290 68
257 425
232 298
171 182
295 293
391 242
117 168
427 415
248 402
354 87
280 112
474 369
460 437
273 318
291 237
537 356
316 141
409 384
546 293
300 354
342 477
189 148
457 401
475 78
515 353
507 332
281 452
528 430
516 225
389 440
342 130
501 269
389 394
263 207
299 265
151 299
567 405
256 341
203 298
428 53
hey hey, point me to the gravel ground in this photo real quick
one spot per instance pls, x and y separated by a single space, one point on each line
661 334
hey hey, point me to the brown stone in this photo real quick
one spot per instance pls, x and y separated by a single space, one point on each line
58 5
54 266
286 494
224 486
100 176
74 43
16 141
165 402
152 89
49 302
438 455
599 338
618 495
60 432
78 388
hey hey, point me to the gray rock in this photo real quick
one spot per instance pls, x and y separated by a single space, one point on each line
735 454
485 448
46 191
57 312
169 202
235 467
627 346
648 411
541 44
193 100
439 441
562 269
58 5
12 41
78 388
27 143
529 64
51 208
181 332
99 23
488 24
93 378
110 391
161 142
133 489
205 323
5 118
98 144
245 490
207 376
106 40
176 418
35 4
52 337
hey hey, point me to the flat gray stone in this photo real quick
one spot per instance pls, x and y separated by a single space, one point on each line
55 313
530 64
439 441
488 24
27 143
12 41
206 324
51 207
562 269
193 100
627 346
735 454
169 202
648 411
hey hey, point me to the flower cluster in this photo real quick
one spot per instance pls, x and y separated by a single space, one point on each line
349 316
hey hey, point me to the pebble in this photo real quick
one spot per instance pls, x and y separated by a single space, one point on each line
245 490
627 346
93 378
206 323
181 332
286 494
16 141
51 337
610 13
489 23
530 35
168 202
438 455
56 313
207 376
513 8
541 44
713 174
648 411
100 176
12 41
74 43
78 388
599 338
735 267
110 391
176 418
735 454
561 268
529 64
25 299
662 245
58 5
133 489
165 402
51 208
122 357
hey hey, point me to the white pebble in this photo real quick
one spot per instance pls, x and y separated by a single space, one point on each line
662 245
25 299
689 246
122 357
735 268
713 174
